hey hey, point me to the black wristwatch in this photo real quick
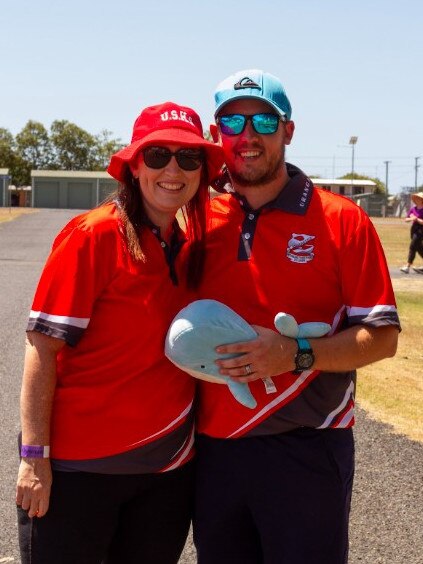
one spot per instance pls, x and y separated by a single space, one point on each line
304 359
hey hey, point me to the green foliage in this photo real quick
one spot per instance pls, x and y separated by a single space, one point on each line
34 146
10 158
73 147
7 148
105 147
380 186
65 147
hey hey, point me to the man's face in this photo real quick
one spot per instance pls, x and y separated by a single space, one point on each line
250 157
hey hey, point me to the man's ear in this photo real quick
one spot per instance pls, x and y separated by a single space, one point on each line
289 131
214 132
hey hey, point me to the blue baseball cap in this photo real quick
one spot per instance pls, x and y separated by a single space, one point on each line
256 84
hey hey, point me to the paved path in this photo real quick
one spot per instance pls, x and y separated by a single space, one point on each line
386 524
24 245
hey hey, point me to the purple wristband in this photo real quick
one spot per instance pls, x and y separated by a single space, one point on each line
32 451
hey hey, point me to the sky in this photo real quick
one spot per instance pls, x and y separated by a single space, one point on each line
350 68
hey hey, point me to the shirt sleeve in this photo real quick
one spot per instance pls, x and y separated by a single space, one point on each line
366 283
78 268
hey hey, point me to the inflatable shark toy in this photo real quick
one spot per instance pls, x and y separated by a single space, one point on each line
200 327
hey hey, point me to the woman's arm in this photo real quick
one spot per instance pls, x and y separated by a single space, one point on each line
38 385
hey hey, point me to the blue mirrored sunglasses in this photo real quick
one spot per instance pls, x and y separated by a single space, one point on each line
234 124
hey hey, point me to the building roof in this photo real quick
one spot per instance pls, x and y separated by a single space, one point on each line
342 182
70 174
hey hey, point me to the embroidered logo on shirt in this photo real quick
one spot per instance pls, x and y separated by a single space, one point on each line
299 248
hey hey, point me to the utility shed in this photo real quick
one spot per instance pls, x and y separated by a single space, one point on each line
4 187
70 189
344 186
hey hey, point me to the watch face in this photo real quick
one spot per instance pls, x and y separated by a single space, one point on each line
305 360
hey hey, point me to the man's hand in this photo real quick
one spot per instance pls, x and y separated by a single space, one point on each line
268 355
33 486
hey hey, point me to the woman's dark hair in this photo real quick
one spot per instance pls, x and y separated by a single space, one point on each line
131 210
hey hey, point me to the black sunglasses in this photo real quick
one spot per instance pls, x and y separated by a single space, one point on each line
187 159
234 124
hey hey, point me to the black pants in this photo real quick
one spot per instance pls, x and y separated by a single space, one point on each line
282 499
114 519
416 244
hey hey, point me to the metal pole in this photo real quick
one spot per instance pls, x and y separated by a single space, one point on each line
416 167
97 191
386 176
353 141
352 164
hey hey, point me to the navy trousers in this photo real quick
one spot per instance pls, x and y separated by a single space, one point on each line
111 519
281 499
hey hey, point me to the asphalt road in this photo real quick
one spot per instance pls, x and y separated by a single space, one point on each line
386 522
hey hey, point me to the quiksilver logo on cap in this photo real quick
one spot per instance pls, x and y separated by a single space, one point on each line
246 83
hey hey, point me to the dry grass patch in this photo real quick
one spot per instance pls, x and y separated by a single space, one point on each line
8 214
392 390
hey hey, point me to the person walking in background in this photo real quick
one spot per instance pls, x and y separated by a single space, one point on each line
274 482
415 216
107 420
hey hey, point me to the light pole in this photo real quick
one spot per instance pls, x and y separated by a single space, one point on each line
352 142
386 177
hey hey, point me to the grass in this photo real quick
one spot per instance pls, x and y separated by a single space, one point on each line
392 390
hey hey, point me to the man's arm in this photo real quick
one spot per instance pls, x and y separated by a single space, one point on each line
272 354
38 385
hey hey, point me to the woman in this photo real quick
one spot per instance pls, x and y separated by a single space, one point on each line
98 395
415 216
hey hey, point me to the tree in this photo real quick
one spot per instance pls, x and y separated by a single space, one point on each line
207 135
66 147
380 186
73 147
10 158
105 147
34 146
7 148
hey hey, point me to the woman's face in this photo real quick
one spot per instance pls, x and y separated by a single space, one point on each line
164 190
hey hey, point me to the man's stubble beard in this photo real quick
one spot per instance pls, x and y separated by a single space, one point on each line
257 178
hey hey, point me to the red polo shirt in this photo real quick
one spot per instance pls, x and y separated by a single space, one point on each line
115 391
309 253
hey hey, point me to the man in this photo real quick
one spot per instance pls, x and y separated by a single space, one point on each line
274 482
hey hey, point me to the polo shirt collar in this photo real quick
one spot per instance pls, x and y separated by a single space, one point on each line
294 198
177 232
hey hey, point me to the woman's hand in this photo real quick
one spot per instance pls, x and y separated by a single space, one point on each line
33 486
38 386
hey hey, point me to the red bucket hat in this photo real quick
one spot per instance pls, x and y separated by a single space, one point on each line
166 123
